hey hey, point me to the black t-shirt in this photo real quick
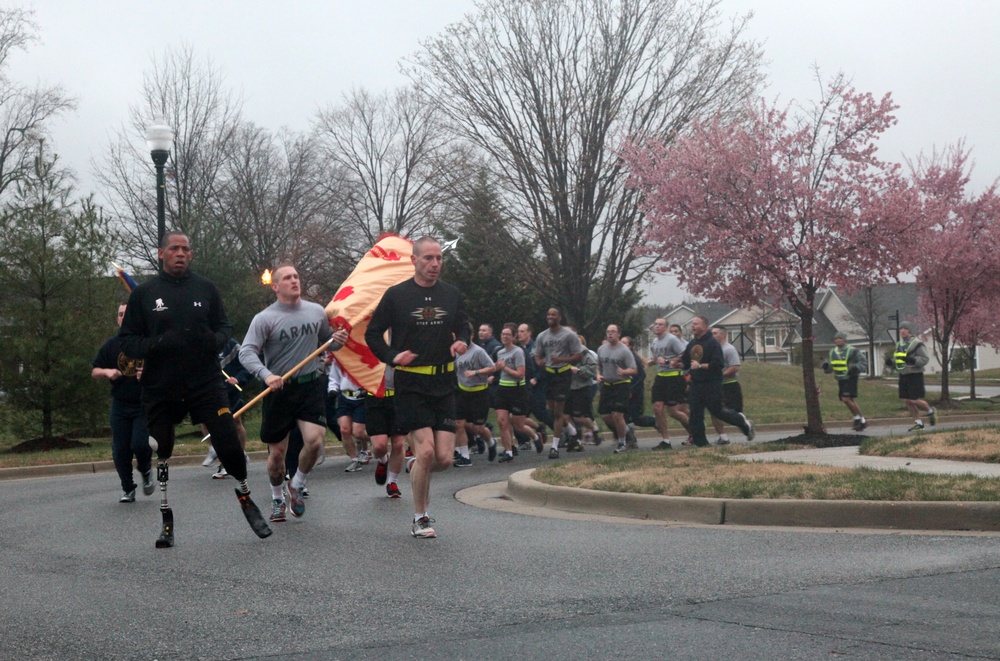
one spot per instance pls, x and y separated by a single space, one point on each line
127 388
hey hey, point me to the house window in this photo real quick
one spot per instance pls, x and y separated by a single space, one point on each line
770 338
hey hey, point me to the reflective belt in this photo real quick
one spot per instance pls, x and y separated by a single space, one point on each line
388 393
724 382
427 369
510 384
354 394
473 388
671 373
557 370
305 378
617 383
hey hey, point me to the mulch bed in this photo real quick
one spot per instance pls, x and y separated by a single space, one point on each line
824 440
46 444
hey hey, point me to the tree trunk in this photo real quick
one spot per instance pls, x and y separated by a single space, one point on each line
814 416
972 372
945 364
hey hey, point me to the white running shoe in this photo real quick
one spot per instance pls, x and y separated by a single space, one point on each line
210 457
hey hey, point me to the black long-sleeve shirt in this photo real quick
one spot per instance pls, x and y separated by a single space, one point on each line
177 325
424 320
707 351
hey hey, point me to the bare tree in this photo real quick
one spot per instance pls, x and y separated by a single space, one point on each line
275 205
24 111
869 311
549 88
204 116
395 166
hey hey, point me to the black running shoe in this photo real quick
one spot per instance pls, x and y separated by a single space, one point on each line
493 451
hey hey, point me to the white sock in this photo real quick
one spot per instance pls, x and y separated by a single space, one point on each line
277 493
596 428
857 417
392 476
383 459
299 479
509 453
463 450
492 442
555 441
723 437
571 429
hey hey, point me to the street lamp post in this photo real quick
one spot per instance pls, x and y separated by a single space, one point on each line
160 140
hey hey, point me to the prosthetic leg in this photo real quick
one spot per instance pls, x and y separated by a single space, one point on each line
166 538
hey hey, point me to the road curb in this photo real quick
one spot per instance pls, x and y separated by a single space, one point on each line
56 470
953 516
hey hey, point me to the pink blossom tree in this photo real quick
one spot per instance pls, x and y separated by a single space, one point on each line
979 327
958 261
776 207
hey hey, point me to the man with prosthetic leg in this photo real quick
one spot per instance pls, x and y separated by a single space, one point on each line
176 323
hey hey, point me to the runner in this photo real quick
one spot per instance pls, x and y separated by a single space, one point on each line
473 369
669 392
513 397
285 334
557 348
176 324
429 328
387 439
616 369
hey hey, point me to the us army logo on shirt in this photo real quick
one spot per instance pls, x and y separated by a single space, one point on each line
429 314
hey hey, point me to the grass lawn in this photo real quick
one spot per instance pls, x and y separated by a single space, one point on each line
973 444
99 449
708 473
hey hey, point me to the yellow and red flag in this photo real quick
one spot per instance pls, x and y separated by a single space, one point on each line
386 264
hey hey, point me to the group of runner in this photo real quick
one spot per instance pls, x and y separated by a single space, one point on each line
439 385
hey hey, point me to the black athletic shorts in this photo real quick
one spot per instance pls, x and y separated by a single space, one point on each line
614 398
557 385
513 399
671 390
415 410
295 401
380 416
352 408
473 407
848 387
732 396
204 404
911 386
580 403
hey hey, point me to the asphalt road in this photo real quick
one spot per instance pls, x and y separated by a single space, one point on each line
82 580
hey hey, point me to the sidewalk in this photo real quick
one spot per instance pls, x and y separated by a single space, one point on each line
849 458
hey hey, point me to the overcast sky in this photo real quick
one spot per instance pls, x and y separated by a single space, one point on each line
288 59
